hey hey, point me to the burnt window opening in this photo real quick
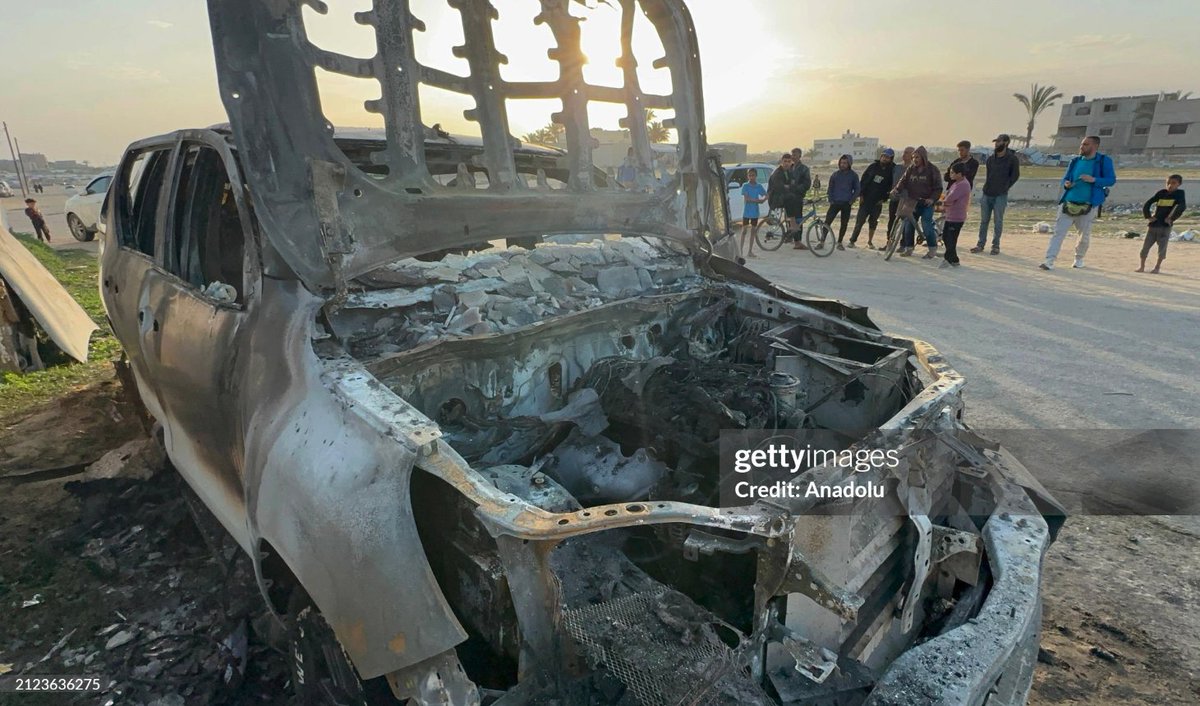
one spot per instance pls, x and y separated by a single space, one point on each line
139 197
206 241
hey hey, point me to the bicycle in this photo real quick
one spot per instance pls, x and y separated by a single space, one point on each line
904 219
817 235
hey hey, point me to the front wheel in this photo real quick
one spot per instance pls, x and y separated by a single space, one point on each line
820 239
769 235
78 230
895 235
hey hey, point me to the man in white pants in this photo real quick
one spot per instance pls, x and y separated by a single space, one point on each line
1085 186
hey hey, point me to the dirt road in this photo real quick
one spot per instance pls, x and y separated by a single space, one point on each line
1046 350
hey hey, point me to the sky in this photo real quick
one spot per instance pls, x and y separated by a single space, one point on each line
80 79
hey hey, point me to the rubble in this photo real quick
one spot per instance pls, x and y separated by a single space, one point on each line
147 607
415 302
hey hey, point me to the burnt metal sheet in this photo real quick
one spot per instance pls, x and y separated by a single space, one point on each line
266 67
67 324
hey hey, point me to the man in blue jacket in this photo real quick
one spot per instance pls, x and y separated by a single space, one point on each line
1085 186
843 188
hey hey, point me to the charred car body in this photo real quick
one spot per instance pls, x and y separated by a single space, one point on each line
474 475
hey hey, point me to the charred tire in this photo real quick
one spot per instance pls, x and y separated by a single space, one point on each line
78 230
322 674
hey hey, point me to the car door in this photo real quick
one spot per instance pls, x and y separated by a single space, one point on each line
88 205
135 215
197 297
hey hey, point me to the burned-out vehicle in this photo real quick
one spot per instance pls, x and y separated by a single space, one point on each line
475 473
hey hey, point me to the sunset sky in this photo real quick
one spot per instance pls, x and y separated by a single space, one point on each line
83 78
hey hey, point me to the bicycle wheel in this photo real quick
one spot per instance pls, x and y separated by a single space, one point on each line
820 239
770 237
894 237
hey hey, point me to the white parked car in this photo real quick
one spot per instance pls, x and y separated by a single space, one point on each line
83 209
5 190
735 176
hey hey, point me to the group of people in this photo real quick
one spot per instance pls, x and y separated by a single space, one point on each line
914 186
911 185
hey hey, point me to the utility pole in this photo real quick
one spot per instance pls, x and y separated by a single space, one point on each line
21 160
16 164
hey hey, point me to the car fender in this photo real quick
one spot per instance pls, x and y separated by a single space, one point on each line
329 457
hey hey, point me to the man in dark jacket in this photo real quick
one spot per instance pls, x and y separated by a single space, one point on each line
876 185
923 183
781 194
970 164
801 178
843 189
1003 170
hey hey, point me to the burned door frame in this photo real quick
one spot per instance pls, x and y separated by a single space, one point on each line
123 268
200 365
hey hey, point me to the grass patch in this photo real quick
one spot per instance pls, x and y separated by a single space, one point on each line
78 271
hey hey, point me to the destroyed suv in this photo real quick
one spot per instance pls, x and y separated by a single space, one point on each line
475 471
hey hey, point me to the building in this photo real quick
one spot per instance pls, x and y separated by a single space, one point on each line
34 162
1175 130
862 149
1154 123
731 152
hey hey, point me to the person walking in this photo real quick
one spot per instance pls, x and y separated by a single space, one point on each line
877 180
627 172
38 220
1003 170
923 183
898 170
958 199
843 189
753 194
965 158
1085 186
1169 204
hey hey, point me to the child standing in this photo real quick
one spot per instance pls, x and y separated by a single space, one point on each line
955 206
753 194
38 220
1169 206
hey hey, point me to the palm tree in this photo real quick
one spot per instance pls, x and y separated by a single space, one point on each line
551 134
1039 98
655 129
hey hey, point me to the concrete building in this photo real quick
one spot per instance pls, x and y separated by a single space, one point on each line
35 162
859 147
1175 130
1154 123
731 152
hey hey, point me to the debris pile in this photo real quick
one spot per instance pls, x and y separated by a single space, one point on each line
413 302
121 585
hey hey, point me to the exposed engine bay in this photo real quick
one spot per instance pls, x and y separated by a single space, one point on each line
616 395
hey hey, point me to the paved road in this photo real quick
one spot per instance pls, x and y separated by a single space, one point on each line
51 203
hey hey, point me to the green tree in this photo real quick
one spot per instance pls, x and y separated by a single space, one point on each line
655 129
1039 98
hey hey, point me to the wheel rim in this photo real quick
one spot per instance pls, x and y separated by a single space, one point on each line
76 226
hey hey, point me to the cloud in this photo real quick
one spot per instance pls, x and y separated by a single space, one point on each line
1084 41
160 24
